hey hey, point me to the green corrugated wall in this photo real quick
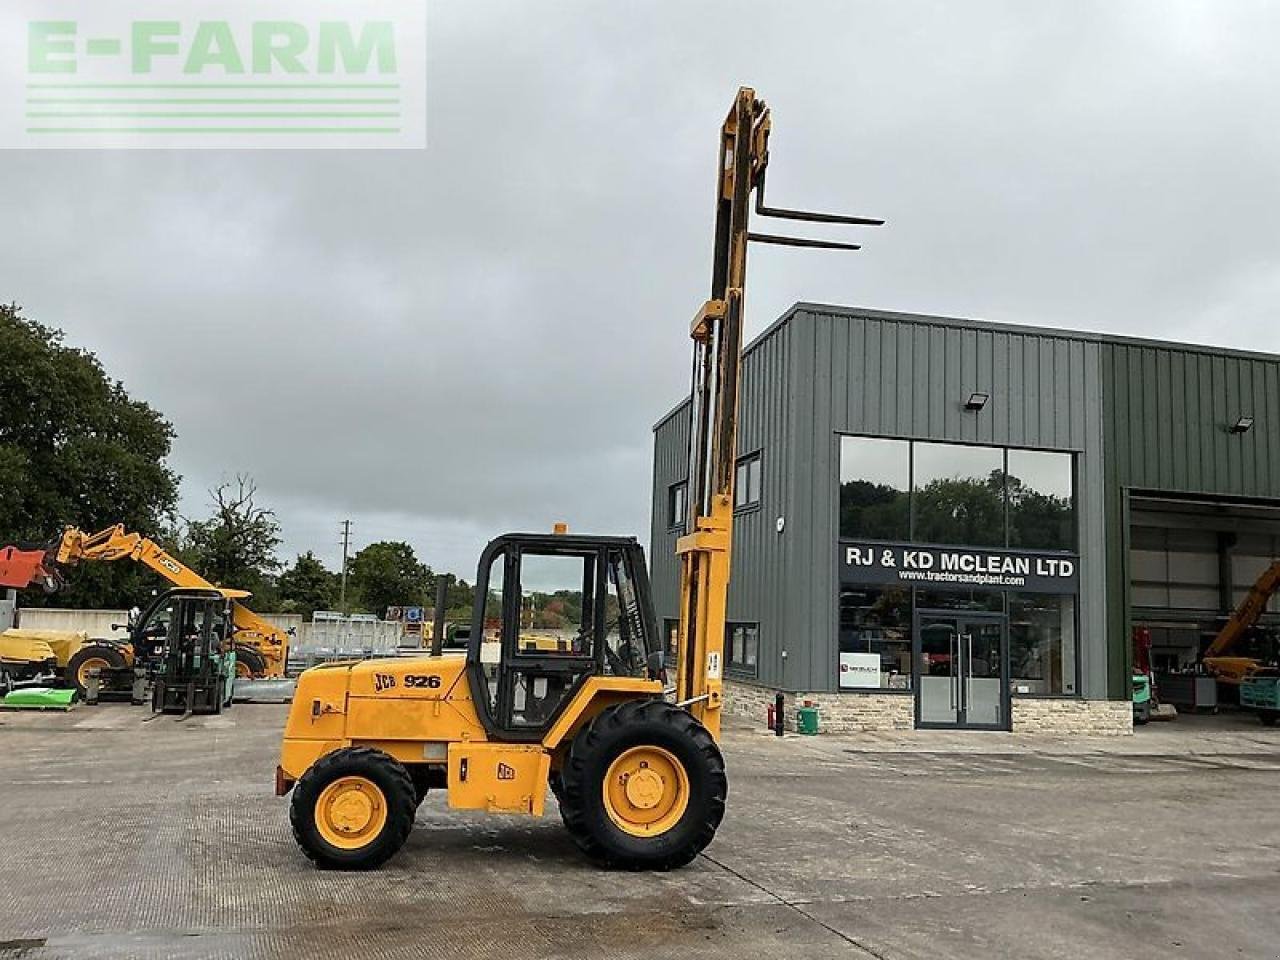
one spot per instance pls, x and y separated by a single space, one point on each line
1167 413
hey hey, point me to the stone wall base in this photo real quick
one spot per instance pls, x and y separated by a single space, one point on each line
837 713
869 712
1091 718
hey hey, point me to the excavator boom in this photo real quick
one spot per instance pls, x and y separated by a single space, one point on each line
1218 658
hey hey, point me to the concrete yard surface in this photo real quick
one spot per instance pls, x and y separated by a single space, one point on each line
129 837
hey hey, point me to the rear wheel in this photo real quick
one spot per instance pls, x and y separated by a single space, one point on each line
353 809
643 787
249 662
91 657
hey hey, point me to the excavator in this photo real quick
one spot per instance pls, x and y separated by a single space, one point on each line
261 649
1220 658
636 767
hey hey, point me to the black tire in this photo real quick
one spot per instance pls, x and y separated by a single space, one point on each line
556 782
1268 718
421 779
6 682
617 729
391 779
251 660
113 658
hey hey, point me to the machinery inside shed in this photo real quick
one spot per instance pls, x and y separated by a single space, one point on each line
1202 594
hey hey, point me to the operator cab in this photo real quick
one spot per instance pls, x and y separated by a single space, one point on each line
552 611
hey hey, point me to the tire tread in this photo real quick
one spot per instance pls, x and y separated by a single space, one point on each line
598 737
401 806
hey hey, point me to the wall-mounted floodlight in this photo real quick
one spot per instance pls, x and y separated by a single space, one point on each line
1242 425
976 401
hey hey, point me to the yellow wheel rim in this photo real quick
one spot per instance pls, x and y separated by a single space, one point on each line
646 791
242 669
93 663
351 812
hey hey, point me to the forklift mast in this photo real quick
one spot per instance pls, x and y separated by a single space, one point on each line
717 330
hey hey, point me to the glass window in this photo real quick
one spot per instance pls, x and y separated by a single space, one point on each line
624 650
557 592
1042 513
677 505
491 636
746 482
875 623
973 601
1042 643
959 494
742 646
875 489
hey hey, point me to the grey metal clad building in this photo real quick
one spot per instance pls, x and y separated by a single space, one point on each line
952 523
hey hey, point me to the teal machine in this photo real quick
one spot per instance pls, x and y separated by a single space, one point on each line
195 668
1261 693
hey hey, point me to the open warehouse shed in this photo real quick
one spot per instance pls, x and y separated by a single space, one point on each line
950 523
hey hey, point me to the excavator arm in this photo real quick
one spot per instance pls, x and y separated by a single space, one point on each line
114 543
1218 658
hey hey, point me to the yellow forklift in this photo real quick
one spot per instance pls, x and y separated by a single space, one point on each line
639 777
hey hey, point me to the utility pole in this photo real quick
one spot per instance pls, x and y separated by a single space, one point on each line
346 546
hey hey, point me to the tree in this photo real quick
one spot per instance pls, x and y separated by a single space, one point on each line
387 574
307 586
76 449
961 511
236 547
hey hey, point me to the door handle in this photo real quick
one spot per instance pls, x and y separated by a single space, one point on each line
953 648
968 673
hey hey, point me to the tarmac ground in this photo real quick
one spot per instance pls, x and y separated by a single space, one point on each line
123 836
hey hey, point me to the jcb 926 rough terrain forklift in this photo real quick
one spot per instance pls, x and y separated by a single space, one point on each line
639 779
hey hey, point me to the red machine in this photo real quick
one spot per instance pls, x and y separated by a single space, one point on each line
22 567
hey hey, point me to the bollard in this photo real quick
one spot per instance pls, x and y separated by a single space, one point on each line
92 687
779 714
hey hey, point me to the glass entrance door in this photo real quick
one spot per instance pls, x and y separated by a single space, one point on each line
960 671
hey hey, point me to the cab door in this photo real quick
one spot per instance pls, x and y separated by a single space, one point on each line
544 615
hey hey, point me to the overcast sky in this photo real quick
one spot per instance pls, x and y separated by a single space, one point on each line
445 344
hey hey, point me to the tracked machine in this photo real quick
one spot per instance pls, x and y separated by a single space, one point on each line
635 767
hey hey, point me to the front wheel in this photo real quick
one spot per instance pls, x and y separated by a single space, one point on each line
644 787
249 663
93 656
353 809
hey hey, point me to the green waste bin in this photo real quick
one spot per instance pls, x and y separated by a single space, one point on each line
807 720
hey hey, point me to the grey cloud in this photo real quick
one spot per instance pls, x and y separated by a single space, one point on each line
443 344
